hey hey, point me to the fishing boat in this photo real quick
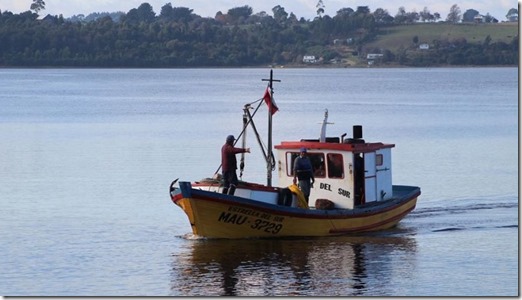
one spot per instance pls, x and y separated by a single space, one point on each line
352 192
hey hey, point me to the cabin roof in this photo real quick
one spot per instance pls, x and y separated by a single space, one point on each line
353 147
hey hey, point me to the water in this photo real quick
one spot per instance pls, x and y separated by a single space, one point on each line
87 157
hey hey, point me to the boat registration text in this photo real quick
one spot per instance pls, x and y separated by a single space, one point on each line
254 219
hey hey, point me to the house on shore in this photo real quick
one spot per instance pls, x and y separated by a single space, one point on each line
309 59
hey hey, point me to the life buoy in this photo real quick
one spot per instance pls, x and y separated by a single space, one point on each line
301 201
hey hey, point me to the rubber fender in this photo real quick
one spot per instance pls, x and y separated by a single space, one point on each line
301 201
285 197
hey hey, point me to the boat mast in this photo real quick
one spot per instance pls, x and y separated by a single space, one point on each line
269 164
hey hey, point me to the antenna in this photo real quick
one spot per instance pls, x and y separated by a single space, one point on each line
322 137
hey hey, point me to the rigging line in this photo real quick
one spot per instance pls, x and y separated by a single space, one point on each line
253 102
250 120
244 127
243 145
269 159
264 148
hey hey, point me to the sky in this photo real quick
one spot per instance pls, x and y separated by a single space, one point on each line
301 8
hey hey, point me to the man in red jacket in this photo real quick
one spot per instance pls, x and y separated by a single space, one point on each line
229 164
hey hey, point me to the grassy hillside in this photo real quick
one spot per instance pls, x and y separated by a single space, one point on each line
394 37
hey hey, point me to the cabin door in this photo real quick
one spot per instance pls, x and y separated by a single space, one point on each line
358 178
370 178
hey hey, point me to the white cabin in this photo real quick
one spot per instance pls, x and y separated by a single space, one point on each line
348 172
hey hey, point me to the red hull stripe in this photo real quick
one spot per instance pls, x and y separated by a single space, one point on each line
372 226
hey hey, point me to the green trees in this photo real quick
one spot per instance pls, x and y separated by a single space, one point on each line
37 6
239 14
177 37
469 15
454 14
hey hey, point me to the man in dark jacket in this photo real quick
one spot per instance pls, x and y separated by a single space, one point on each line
229 164
304 172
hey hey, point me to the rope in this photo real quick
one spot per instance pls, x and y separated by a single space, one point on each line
244 127
246 122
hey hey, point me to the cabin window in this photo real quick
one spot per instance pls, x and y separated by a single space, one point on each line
335 165
378 160
317 160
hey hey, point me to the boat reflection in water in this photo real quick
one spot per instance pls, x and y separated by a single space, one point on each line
340 266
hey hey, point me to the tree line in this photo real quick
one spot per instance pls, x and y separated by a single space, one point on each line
177 37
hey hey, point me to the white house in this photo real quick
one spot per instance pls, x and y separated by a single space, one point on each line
309 59
373 56
479 18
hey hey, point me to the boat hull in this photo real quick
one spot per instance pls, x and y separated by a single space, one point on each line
215 215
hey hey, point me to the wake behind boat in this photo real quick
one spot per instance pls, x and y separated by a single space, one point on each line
352 192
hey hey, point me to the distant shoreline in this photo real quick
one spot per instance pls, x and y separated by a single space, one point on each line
274 67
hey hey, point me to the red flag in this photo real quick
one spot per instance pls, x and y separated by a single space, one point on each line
270 102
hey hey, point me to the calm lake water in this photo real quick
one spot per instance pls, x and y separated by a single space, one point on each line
87 157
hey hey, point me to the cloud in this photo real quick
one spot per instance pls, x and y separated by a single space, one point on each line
15 6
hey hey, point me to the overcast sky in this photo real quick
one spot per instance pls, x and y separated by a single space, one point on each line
301 8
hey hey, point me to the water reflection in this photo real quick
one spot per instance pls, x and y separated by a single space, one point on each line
291 267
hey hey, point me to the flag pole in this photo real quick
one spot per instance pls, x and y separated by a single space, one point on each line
269 164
